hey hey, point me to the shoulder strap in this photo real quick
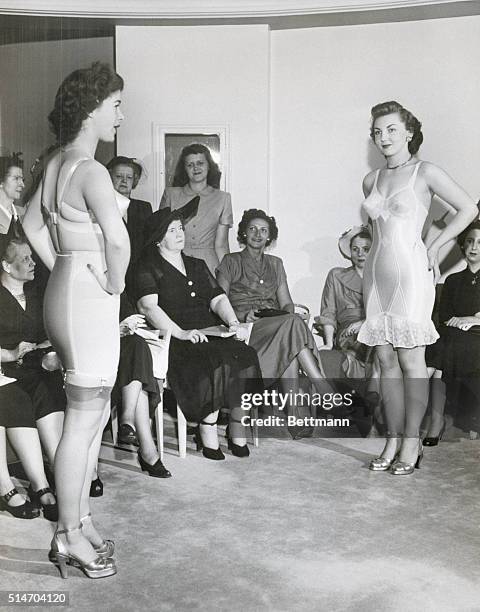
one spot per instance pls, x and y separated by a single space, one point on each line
376 178
68 179
414 173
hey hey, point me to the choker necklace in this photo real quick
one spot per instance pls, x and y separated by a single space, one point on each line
399 165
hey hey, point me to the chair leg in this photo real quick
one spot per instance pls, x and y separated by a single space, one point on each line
114 424
255 426
159 427
182 433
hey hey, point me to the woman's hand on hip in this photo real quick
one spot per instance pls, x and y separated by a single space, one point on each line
193 335
432 255
104 282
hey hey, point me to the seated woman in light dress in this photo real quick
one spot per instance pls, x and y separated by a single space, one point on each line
257 287
197 173
342 313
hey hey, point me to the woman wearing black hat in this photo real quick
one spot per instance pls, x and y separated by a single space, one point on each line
178 293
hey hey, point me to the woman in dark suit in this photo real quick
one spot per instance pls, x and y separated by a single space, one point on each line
125 173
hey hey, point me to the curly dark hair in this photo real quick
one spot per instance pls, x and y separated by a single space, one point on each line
9 161
180 177
475 225
131 162
256 213
412 124
80 93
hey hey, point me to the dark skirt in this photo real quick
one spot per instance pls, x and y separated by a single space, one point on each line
44 388
136 364
16 408
461 373
212 375
434 354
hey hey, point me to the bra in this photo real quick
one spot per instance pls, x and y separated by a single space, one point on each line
65 219
399 204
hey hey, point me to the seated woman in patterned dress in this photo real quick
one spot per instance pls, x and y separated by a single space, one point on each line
178 293
257 287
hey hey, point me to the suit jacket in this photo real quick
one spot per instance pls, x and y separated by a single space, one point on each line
138 212
137 215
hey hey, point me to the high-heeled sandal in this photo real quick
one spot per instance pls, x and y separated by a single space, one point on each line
434 440
59 556
237 450
209 453
104 550
27 510
96 488
402 468
50 511
380 464
157 470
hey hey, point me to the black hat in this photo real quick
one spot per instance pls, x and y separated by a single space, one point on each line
160 220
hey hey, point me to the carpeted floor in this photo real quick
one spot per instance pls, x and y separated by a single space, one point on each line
300 525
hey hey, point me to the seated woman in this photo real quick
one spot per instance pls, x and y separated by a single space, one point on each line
17 421
460 334
138 389
342 313
257 287
26 353
178 293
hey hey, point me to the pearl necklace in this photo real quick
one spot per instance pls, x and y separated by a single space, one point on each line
399 165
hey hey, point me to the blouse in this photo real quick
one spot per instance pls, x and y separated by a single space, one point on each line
342 299
252 285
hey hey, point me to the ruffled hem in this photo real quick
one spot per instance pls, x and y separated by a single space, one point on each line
397 331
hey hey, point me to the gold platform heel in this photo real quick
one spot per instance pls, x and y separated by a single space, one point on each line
104 550
380 464
402 468
59 556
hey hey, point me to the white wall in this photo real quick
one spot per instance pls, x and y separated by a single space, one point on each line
323 84
194 76
31 74
312 89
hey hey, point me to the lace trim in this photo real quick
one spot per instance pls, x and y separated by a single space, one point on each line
399 332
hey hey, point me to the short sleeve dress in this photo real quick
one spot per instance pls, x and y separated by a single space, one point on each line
214 209
277 340
207 376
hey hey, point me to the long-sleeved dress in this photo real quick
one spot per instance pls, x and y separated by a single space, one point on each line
277 340
207 376
342 304
214 209
461 349
44 388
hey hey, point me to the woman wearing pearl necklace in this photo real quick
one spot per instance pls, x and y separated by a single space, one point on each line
400 273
